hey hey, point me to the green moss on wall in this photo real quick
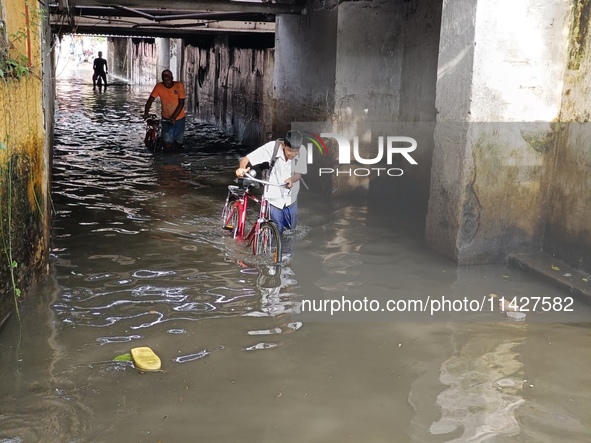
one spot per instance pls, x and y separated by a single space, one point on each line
22 225
579 32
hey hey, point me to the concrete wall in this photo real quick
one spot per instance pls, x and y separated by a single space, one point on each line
226 85
24 168
141 60
230 87
420 41
568 231
500 65
368 82
118 58
305 67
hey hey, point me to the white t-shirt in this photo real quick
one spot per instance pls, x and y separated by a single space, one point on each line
280 196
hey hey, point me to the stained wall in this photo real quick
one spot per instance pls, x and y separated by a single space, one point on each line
228 82
24 158
567 230
499 90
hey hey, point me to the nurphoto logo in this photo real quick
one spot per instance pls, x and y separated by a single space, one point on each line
394 145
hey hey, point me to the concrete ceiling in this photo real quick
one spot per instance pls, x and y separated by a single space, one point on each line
148 18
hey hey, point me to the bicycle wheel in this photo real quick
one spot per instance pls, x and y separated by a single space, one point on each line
151 139
158 144
230 217
267 243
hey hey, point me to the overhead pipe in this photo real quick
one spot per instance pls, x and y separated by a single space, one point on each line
131 12
135 11
204 5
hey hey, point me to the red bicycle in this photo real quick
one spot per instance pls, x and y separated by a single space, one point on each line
153 139
263 235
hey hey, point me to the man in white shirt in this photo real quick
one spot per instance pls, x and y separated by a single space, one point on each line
289 166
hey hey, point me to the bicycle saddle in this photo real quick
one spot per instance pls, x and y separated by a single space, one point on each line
237 190
244 183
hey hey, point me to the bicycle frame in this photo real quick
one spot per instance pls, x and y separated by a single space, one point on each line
263 235
152 139
241 206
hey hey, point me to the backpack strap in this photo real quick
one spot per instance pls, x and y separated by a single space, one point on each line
267 171
274 156
275 151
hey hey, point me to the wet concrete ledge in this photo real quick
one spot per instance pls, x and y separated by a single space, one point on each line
555 271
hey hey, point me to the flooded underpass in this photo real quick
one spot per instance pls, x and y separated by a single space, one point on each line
139 258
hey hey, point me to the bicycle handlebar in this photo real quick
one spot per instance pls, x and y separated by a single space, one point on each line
263 182
155 117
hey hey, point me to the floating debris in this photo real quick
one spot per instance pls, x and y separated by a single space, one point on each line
145 359
123 357
517 316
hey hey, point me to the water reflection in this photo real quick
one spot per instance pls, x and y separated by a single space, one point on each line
484 380
277 286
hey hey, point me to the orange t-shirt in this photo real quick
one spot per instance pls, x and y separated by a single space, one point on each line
169 98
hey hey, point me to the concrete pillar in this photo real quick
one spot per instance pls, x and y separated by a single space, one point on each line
360 66
385 85
501 67
175 57
163 56
305 64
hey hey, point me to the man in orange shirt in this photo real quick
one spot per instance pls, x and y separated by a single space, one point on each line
172 98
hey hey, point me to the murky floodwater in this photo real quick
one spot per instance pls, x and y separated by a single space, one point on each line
139 259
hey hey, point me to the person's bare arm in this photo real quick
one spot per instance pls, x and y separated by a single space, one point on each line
291 180
177 111
148 106
242 167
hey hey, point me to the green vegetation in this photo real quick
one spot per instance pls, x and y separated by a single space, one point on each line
5 231
16 66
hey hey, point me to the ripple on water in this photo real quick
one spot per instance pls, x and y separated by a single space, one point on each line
195 307
261 346
120 339
198 355
281 329
146 273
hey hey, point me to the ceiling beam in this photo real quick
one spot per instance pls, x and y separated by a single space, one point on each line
140 28
147 18
123 11
199 5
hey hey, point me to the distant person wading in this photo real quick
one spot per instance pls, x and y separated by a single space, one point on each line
100 70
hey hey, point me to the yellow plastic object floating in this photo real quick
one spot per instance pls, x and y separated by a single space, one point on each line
145 359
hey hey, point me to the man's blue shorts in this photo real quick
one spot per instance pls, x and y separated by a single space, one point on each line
173 133
286 218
